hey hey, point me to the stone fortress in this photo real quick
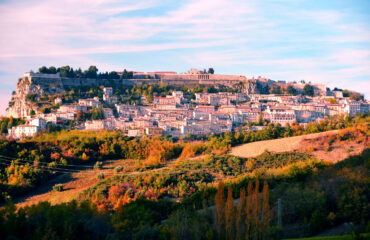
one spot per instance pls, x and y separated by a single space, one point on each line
40 84
192 77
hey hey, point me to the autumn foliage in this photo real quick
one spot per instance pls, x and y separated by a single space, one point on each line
249 219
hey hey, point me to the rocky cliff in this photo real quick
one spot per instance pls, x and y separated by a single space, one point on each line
28 92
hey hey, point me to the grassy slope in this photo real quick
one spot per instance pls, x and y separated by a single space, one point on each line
73 184
276 145
337 151
341 237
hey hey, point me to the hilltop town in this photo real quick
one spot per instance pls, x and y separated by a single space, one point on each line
195 103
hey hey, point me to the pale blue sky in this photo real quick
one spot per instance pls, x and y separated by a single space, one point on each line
318 41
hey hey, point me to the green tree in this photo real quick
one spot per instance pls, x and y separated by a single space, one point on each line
91 72
43 69
291 90
211 71
308 90
97 114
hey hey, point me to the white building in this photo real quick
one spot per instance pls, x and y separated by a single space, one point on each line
352 108
58 100
108 91
39 122
135 132
22 131
108 113
90 102
108 96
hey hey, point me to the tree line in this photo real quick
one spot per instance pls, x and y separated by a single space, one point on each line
91 72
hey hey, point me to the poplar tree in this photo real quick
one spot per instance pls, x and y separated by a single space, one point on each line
229 215
266 206
249 211
219 213
240 217
258 209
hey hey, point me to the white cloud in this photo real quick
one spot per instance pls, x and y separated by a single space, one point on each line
278 39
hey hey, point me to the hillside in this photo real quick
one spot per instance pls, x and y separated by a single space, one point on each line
161 179
276 145
321 145
74 183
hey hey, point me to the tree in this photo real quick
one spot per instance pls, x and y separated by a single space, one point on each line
211 71
52 70
97 114
308 90
257 211
80 116
43 69
127 75
67 71
91 72
229 215
220 206
353 95
266 207
46 110
113 75
211 89
260 119
197 89
240 217
275 90
291 90
249 210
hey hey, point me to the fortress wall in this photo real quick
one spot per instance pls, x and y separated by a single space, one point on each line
178 77
221 77
46 81
180 81
77 82
205 79
142 81
170 79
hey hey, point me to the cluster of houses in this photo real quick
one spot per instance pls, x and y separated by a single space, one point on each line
208 113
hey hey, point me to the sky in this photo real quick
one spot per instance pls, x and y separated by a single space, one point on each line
314 40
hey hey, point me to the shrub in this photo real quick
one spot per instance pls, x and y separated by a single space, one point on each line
310 149
58 187
100 176
118 169
98 165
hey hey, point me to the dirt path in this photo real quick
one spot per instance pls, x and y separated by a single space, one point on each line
276 145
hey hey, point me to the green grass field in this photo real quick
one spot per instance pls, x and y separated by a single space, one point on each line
342 237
